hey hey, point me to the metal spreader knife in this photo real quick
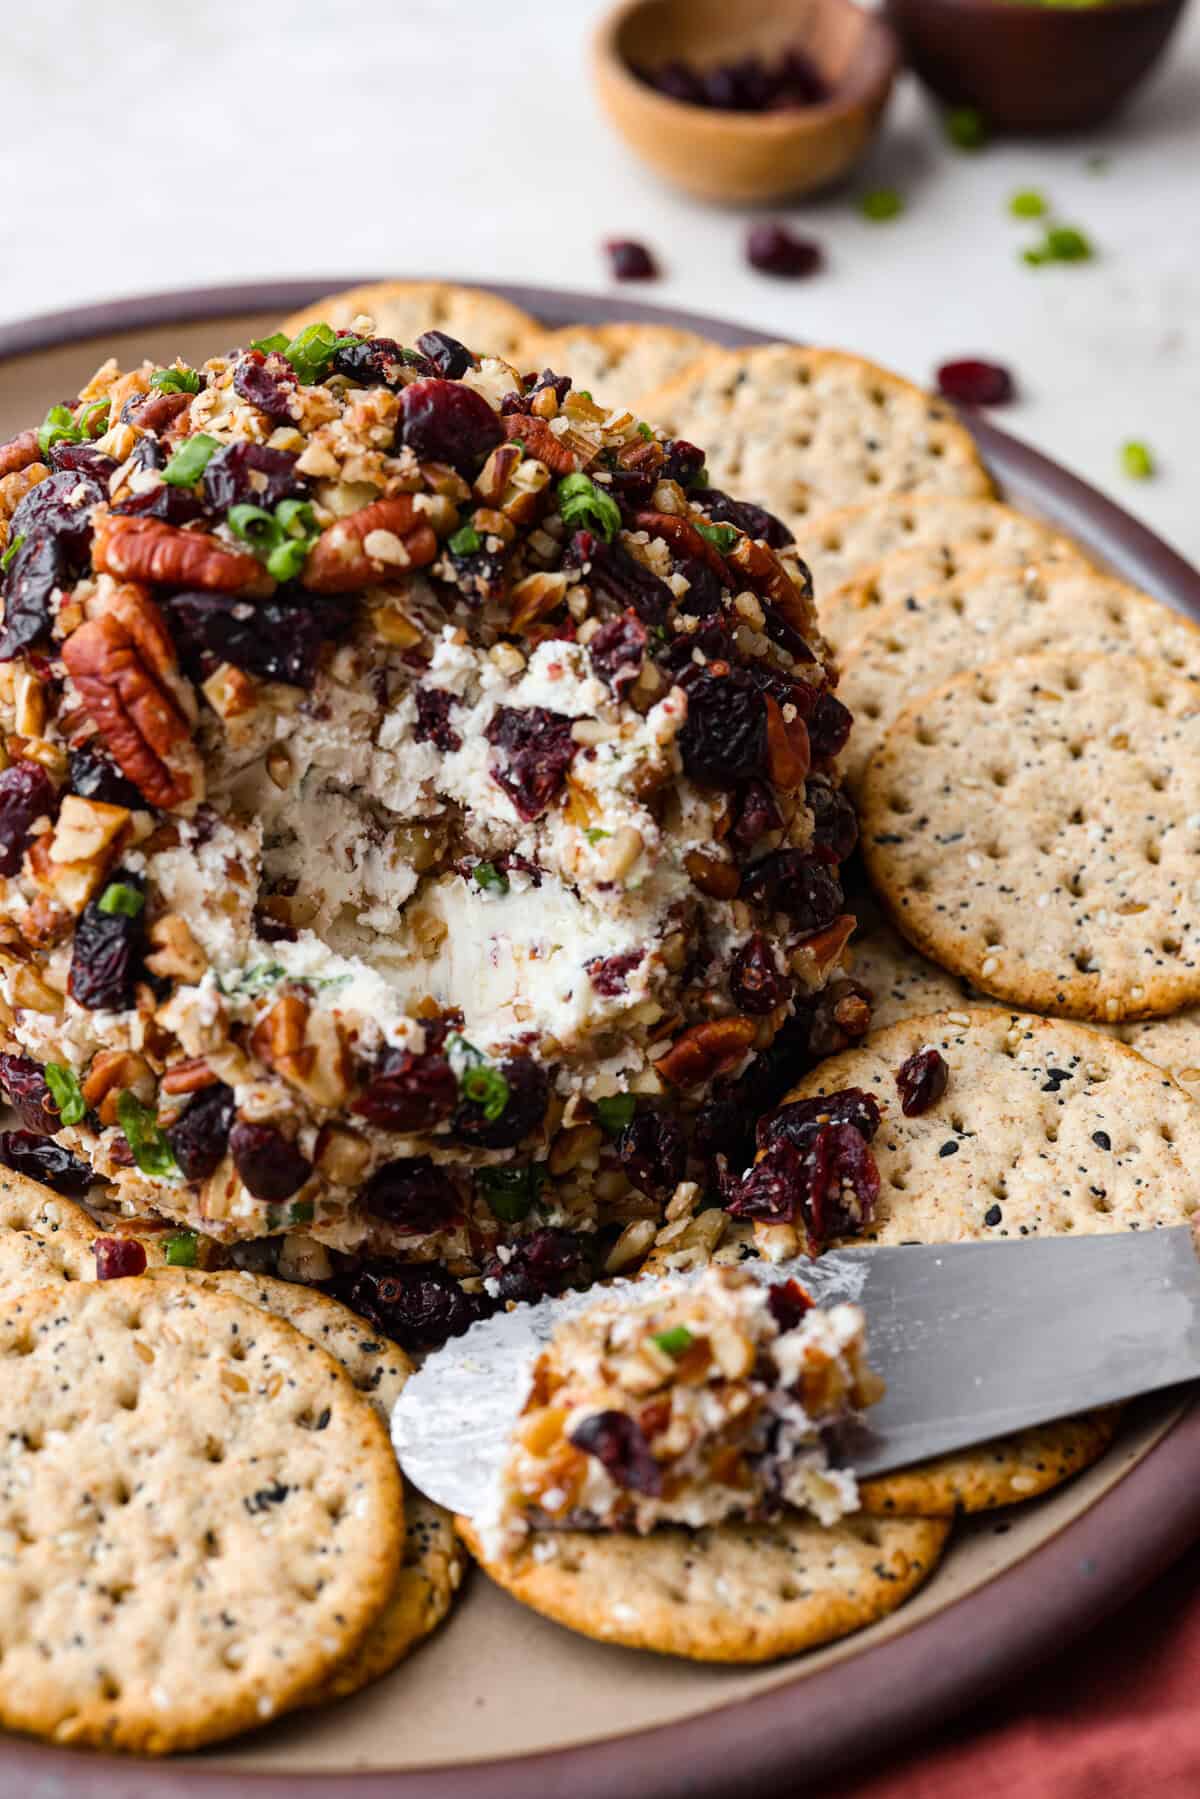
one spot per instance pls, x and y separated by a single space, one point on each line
973 1340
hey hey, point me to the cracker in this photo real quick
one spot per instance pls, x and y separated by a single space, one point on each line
487 324
902 983
918 642
432 1569
1033 826
726 1593
1171 1043
209 1515
856 543
1046 1127
804 430
29 1260
26 1205
1021 1465
618 364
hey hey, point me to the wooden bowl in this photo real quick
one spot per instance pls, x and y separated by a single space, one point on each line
745 156
1030 67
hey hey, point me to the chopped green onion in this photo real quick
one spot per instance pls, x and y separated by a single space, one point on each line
511 1192
582 503
65 1092
176 381
518 443
118 898
301 1211
616 1112
98 410
1027 203
880 203
61 426
258 979
11 551
295 517
965 127
723 536
277 343
145 1137
486 1088
675 1341
1137 460
313 349
644 430
190 460
595 835
490 878
465 541
583 393
282 539
181 1249
253 525
701 478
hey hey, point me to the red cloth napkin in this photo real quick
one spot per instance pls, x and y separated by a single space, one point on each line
1116 1716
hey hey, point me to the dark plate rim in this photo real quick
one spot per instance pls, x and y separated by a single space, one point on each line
819 1724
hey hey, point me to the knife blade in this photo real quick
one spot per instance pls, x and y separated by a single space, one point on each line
973 1340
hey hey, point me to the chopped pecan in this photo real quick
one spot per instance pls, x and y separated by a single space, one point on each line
306 1048
148 549
707 1049
136 716
533 598
494 476
177 956
817 955
15 486
155 411
113 1072
342 560
761 570
188 1077
544 445
684 539
720 880
788 755
19 452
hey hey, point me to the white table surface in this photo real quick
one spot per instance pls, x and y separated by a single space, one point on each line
153 145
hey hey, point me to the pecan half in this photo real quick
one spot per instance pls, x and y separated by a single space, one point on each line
135 714
543 444
788 754
343 560
707 1049
684 539
135 609
148 549
815 957
762 571
19 452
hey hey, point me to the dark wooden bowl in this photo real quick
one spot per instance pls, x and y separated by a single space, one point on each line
1030 67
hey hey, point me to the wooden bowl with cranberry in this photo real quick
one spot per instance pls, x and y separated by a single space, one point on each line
745 100
1035 65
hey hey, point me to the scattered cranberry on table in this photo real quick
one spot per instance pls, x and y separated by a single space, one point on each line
922 1080
775 250
629 260
972 382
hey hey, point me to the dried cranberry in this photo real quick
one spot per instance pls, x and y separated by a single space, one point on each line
408 1093
828 727
174 505
755 983
433 719
653 1153
442 421
922 1080
376 362
42 1159
835 824
524 1109
757 814
629 260
538 748
268 382
788 1303
417 1306
93 777
795 883
724 738
617 1442
705 592
448 356
413 1193
684 463
971 382
268 1165
774 250
479 575
118 1258
61 505
107 952
84 459
609 975
755 521
25 1084
744 84
39 568
26 794
614 574
279 639
618 650
547 1261
249 474
801 1119
560 383
198 1139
